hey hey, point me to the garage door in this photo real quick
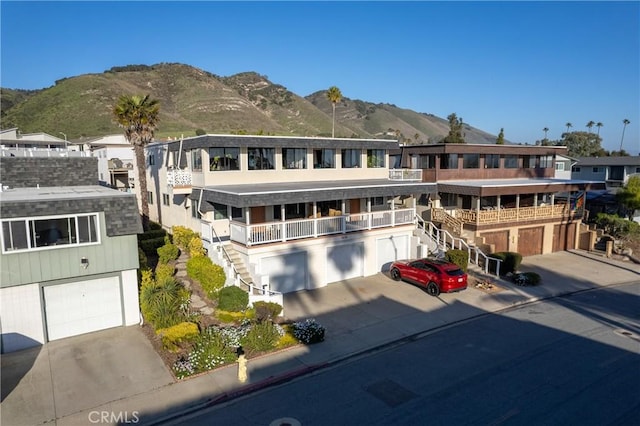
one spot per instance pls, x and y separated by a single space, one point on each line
564 237
499 239
391 249
78 308
287 272
345 262
530 241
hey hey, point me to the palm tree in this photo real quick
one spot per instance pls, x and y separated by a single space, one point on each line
569 125
590 125
545 130
624 122
334 94
598 125
138 116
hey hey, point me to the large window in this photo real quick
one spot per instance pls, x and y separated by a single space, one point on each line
291 211
423 161
395 161
546 161
510 161
33 233
491 161
224 159
324 159
196 160
195 211
261 158
449 161
529 162
375 158
350 158
470 161
294 158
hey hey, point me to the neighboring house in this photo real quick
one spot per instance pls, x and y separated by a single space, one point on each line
615 171
502 197
298 212
563 166
69 256
116 165
12 138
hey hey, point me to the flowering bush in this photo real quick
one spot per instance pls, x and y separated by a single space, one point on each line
210 275
526 278
262 336
173 336
308 331
233 335
211 350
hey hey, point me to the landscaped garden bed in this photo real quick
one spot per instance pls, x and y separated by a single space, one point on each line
196 324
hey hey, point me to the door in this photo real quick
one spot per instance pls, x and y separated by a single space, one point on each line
286 272
354 205
344 262
258 214
499 239
564 236
82 307
530 241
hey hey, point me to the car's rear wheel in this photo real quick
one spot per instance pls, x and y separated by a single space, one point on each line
395 274
433 289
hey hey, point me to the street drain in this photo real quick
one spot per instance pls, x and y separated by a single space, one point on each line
390 392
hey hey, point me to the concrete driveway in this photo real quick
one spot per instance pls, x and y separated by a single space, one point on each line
70 375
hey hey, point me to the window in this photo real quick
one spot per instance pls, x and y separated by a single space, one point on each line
165 199
637 169
529 161
294 158
375 158
546 161
377 201
194 210
33 233
152 160
423 161
219 211
324 159
491 161
575 169
291 211
448 200
510 161
350 158
471 161
449 161
559 166
395 161
261 158
196 160
224 159
596 170
150 197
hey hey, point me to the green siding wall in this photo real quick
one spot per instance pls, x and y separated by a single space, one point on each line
111 255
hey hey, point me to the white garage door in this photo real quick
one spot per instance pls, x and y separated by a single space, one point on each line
77 308
287 272
344 262
390 250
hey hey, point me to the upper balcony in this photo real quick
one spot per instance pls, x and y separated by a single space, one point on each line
508 215
179 181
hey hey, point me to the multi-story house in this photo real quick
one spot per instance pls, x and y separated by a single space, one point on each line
116 165
297 212
502 197
33 142
615 171
69 257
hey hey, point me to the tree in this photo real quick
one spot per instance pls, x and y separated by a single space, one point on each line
334 94
598 125
624 122
590 125
569 125
455 130
545 130
582 144
138 116
500 140
629 195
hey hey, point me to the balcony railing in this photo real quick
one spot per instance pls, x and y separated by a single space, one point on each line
405 174
506 215
272 232
179 181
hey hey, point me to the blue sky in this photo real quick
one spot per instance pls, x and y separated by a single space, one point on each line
521 66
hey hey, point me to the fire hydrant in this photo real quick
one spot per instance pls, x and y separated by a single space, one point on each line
242 366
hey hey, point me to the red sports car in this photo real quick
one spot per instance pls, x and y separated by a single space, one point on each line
435 275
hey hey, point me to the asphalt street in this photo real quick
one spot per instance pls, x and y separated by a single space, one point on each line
568 360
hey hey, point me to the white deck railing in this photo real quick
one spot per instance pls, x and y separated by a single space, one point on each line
179 177
405 174
272 232
41 152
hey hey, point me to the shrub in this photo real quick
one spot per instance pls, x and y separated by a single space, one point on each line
288 339
308 331
233 335
233 299
195 247
210 350
168 251
616 226
182 236
510 262
459 257
210 276
527 278
142 259
152 235
164 271
173 336
161 302
266 311
153 226
262 336
150 247
146 278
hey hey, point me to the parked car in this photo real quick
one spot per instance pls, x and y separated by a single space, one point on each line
436 276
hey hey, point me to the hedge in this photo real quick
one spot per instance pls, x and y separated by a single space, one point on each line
233 299
210 276
173 336
459 257
510 262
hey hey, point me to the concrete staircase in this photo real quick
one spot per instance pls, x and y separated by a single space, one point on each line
238 264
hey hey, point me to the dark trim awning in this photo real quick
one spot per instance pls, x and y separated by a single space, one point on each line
266 194
488 188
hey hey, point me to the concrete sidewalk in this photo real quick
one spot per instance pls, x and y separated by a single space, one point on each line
360 315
